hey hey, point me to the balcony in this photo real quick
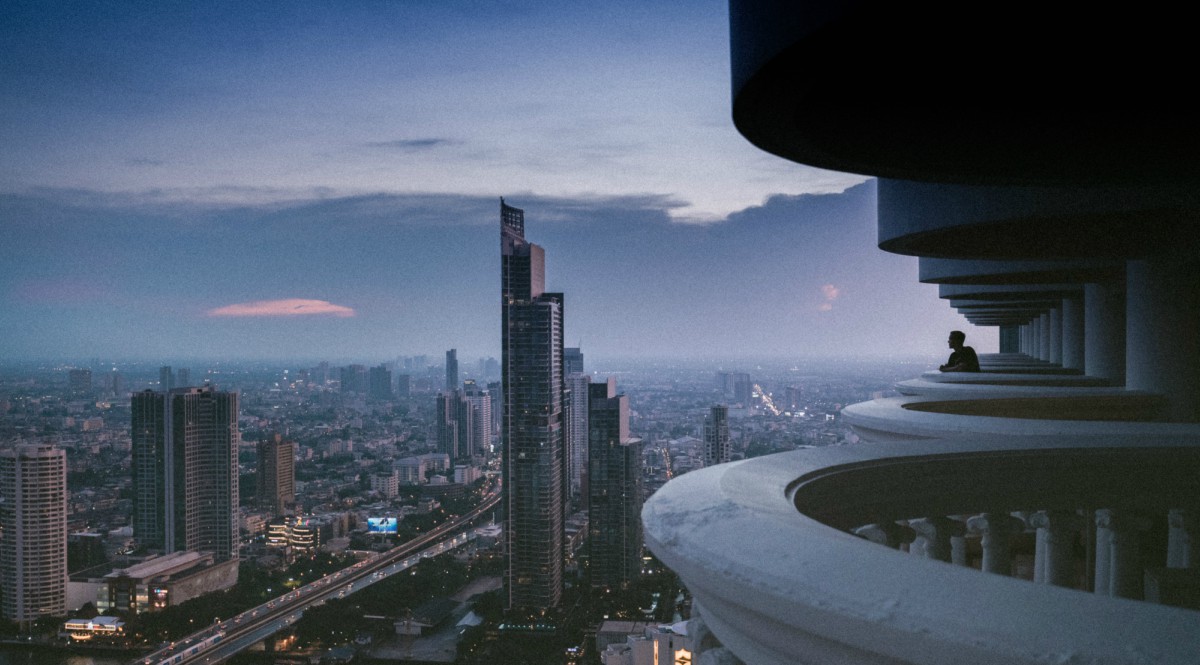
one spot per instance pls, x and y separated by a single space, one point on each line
778 551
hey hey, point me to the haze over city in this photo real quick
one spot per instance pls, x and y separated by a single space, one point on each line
310 181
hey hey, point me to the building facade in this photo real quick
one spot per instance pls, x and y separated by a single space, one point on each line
577 434
717 449
614 490
452 370
33 518
185 487
532 430
276 474
455 425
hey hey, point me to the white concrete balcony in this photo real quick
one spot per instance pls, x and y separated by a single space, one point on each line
768 548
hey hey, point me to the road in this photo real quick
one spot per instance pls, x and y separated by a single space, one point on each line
222 640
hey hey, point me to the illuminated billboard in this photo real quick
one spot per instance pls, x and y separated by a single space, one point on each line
382 524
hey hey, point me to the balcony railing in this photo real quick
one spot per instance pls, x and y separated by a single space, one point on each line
777 551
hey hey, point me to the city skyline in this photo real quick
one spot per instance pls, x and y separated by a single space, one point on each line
376 164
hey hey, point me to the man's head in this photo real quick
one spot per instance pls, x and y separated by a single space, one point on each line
957 337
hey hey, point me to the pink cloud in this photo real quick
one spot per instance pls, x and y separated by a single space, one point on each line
286 307
831 292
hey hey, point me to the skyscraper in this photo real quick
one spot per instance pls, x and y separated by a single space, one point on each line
185 490
716 436
572 360
452 370
380 380
276 474
354 379
532 429
577 432
614 489
455 425
481 417
80 381
33 517
166 378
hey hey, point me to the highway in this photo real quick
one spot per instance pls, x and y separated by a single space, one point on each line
222 640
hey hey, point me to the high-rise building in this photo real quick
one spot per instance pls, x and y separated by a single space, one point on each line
743 389
452 370
577 432
183 378
276 474
80 380
33 519
614 489
532 429
380 380
717 449
354 379
481 417
455 425
166 378
185 484
572 360
403 385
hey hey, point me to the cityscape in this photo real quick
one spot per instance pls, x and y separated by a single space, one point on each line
258 404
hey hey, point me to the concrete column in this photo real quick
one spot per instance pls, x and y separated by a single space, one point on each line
1056 531
937 532
1104 331
1010 339
997 531
1044 337
1035 337
1056 338
1183 538
1072 333
889 534
1163 332
1118 543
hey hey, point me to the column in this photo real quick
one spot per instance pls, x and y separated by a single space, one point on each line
1044 334
1163 332
1119 570
1072 333
937 532
997 531
1104 331
1056 531
1056 337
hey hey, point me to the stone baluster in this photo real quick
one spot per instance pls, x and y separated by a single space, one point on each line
1119 570
996 531
937 533
890 534
1056 537
1183 538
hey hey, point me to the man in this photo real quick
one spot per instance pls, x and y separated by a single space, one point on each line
963 358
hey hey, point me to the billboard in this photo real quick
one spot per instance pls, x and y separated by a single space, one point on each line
382 524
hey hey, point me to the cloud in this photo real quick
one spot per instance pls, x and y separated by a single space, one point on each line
831 293
411 145
286 307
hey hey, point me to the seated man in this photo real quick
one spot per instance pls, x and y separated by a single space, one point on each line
963 359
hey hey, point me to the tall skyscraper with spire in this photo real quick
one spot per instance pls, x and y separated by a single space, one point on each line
532 424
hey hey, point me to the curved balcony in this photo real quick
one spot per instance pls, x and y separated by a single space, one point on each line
1125 413
768 548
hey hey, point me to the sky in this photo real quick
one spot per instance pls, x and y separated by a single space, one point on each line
309 180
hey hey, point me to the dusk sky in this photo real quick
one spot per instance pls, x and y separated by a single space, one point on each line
321 180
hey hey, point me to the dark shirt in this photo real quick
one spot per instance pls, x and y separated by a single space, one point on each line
966 356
